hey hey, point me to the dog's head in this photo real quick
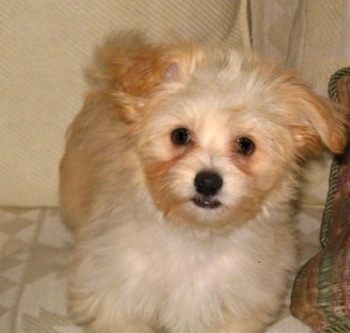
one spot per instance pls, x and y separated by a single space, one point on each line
220 135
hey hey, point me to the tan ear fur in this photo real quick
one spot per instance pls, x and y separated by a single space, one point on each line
128 69
129 63
125 62
327 121
316 122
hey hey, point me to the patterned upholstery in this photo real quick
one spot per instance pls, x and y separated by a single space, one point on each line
34 248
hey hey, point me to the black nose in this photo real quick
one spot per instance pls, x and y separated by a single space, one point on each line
208 183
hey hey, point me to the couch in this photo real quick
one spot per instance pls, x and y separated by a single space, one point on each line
45 46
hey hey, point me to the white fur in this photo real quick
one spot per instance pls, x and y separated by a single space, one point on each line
179 279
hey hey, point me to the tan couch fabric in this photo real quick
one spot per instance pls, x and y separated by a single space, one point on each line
44 46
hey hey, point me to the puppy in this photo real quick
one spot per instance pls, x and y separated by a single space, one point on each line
179 181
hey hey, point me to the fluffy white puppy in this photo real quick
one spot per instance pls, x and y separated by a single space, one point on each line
179 181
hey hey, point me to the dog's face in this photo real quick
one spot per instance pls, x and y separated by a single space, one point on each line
209 157
221 138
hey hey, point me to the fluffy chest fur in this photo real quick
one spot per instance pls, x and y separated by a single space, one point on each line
182 280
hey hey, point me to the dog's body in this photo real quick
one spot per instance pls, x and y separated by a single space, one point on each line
179 179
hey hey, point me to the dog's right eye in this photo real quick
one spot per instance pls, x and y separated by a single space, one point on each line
181 136
245 146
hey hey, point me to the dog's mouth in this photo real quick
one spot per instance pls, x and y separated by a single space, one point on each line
206 202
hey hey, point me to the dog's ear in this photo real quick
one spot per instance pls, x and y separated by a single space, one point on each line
130 64
316 122
128 70
127 63
173 72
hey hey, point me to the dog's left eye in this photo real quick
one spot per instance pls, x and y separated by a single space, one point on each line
245 146
180 136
